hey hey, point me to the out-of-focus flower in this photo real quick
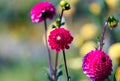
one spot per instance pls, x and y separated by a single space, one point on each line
78 41
59 39
95 8
42 11
112 22
97 65
86 47
88 31
114 52
118 74
112 4
75 63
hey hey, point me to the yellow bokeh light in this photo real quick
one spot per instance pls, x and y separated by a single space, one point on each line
87 47
118 74
75 63
114 52
88 31
95 8
78 41
112 3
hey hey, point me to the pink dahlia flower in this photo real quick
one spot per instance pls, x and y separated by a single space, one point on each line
59 39
97 65
41 11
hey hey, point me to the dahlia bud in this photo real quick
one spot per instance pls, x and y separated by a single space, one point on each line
58 22
97 65
65 5
112 22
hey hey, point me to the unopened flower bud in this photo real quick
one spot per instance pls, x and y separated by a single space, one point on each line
65 5
112 22
58 22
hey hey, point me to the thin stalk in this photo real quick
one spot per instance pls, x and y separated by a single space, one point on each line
65 63
103 34
108 79
61 16
55 69
56 58
49 56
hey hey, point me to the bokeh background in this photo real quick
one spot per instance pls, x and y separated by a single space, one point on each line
22 49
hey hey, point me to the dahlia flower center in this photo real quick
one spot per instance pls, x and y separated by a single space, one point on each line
59 38
45 14
103 59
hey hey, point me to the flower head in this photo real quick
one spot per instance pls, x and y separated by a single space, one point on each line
59 39
97 65
112 22
114 52
91 30
41 11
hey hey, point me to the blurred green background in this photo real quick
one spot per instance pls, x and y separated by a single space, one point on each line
22 49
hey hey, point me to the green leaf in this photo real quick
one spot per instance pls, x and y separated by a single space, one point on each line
59 73
60 66
114 78
62 23
53 26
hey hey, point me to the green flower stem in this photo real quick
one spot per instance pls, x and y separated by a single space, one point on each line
65 63
103 34
108 79
55 67
49 56
56 58
61 16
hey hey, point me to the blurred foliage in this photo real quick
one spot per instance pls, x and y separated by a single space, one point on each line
22 52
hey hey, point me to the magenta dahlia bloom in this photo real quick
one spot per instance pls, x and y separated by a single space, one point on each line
59 39
41 11
97 65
